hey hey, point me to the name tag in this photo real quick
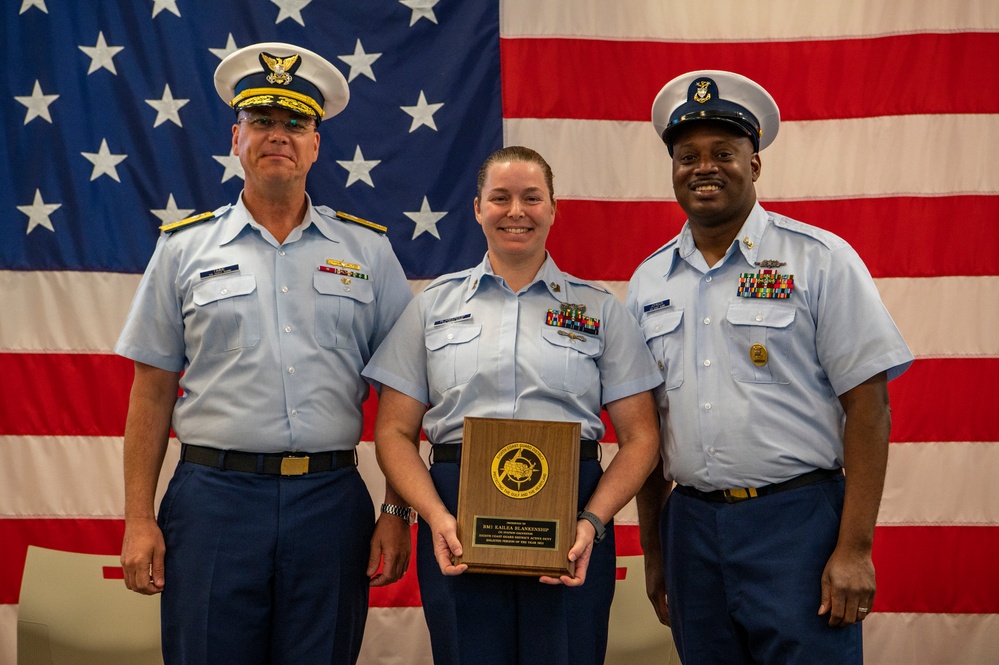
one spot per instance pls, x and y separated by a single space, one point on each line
656 306
220 271
460 317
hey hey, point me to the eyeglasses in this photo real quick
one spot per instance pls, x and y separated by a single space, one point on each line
264 123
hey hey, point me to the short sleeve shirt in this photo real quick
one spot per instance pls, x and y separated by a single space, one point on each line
470 346
271 338
755 350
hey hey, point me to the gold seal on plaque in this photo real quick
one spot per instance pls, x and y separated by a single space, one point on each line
758 354
519 470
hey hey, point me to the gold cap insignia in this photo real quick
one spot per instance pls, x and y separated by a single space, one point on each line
281 68
702 95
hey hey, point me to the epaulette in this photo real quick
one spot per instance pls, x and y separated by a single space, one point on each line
188 222
671 245
584 282
449 277
342 216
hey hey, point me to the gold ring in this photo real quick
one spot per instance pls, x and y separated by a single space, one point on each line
865 610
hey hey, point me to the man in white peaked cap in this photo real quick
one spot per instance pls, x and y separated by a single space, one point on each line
249 331
776 350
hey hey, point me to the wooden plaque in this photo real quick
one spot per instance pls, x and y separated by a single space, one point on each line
517 496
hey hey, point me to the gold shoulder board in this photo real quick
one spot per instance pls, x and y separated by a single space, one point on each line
363 222
184 223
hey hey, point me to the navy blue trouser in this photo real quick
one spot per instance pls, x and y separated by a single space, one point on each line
480 619
264 569
743 580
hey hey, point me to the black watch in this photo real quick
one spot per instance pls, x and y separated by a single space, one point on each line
598 526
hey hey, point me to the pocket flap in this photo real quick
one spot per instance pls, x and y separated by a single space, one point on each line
441 337
330 284
220 288
588 346
661 324
760 314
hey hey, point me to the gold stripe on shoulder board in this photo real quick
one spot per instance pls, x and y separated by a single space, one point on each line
363 222
173 226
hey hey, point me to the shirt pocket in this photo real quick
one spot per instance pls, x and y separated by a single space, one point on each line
338 303
231 306
567 363
452 355
759 341
664 337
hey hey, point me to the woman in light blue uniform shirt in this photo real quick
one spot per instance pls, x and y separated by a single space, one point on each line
481 343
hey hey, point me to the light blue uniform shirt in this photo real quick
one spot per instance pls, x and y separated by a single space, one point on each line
271 346
727 421
469 346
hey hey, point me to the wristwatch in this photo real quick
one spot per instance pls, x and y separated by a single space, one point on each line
598 526
405 512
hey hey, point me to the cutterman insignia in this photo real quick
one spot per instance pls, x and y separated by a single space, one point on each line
771 263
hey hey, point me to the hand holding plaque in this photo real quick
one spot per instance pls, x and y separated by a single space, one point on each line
517 496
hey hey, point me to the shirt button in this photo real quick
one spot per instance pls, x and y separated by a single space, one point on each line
284 289
711 451
656 329
294 413
707 406
280 252
707 320
661 366
291 370
287 328
759 317
708 278
346 288
707 363
224 291
450 335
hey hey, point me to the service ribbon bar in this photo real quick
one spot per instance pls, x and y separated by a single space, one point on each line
765 284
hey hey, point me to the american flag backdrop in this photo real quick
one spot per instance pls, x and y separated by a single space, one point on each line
111 127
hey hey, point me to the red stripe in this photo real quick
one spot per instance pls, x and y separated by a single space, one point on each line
113 573
810 80
64 394
949 399
405 592
61 399
608 239
948 569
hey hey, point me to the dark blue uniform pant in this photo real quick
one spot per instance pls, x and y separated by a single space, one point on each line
743 580
264 569
480 619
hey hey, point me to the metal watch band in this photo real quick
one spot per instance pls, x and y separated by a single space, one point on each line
598 526
405 512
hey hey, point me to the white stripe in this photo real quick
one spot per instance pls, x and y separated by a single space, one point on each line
67 476
950 483
396 635
940 317
820 159
931 639
747 20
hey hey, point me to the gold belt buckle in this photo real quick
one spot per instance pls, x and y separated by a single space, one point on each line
739 494
294 466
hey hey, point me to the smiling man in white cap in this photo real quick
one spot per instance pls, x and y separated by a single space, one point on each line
776 350
261 316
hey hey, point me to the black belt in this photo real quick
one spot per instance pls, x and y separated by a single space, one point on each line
275 464
742 493
451 452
